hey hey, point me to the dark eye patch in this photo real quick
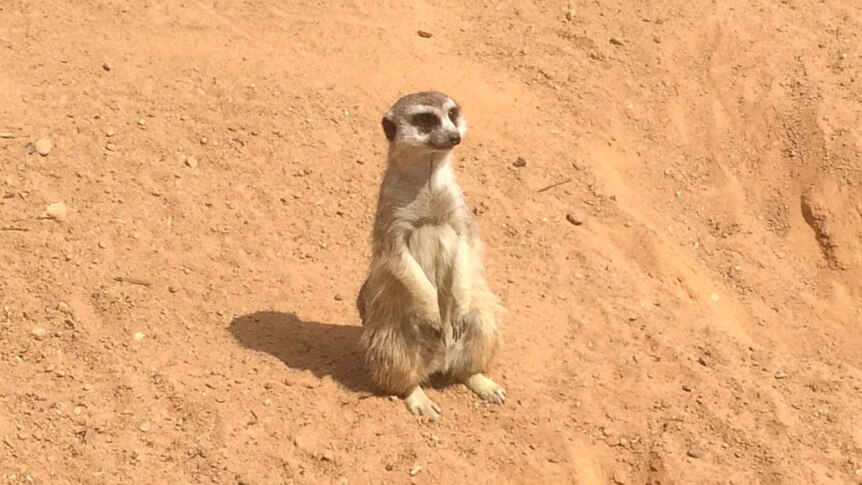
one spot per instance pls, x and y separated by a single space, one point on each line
425 121
453 115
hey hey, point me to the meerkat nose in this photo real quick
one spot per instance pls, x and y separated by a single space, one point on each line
454 138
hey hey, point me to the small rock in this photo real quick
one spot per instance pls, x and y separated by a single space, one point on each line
138 336
714 296
204 140
6 134
145 426
620 478
615 41
110 132
859 472
328 455
415 470
106 66
570 14
575 218
695 452
780 375
43 146
520 163
56 211
338 298
173 289
702 361
142 122
39 333
686 388
110 147
424 34
102 245
192 162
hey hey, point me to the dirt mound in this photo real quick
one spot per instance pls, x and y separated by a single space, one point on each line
181 254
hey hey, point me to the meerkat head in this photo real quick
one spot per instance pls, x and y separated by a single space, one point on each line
426 122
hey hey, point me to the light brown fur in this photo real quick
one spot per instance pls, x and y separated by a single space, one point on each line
426 306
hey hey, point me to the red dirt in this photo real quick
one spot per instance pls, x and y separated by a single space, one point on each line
709 305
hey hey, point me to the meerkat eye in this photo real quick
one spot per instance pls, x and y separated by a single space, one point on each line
425 121
453 115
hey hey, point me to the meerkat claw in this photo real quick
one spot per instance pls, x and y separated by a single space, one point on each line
420 404
486 388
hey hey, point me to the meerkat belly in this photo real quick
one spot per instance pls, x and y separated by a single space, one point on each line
433 247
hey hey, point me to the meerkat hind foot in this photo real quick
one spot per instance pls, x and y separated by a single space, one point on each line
420 404
486 388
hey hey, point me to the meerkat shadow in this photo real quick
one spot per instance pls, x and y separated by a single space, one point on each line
323 349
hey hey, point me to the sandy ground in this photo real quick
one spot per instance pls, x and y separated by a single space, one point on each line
190 318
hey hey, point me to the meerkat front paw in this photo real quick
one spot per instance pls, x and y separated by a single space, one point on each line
462 322
428 320
486 388
420 404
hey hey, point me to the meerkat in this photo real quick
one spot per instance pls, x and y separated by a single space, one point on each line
425 306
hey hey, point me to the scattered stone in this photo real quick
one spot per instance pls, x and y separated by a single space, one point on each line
780 375
695 452
110 132
575 218
415 470
106 66
56 211
39 333
102 245
110 147
142 122
686 388
204 140
145 426
620 478
520 163
424 34
615 41
6 134
43 146
338 298
138 336
192 162
714 297
173 289
570 14
702 361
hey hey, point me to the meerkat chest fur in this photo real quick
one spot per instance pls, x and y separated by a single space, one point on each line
436 220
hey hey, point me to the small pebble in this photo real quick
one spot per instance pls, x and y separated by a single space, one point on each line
146 426
780 375
415 470
106 66
575 218
39 333
570 14
43 146
695 452
204 140
142 122
620 478
713 297
686 388
424 34
615 41
56 211
110 147
338 298
520 163
138 336
173 289
192 162
110 132
102 245
328 455
6 134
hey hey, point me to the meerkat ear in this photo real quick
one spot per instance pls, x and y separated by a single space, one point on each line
388 128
